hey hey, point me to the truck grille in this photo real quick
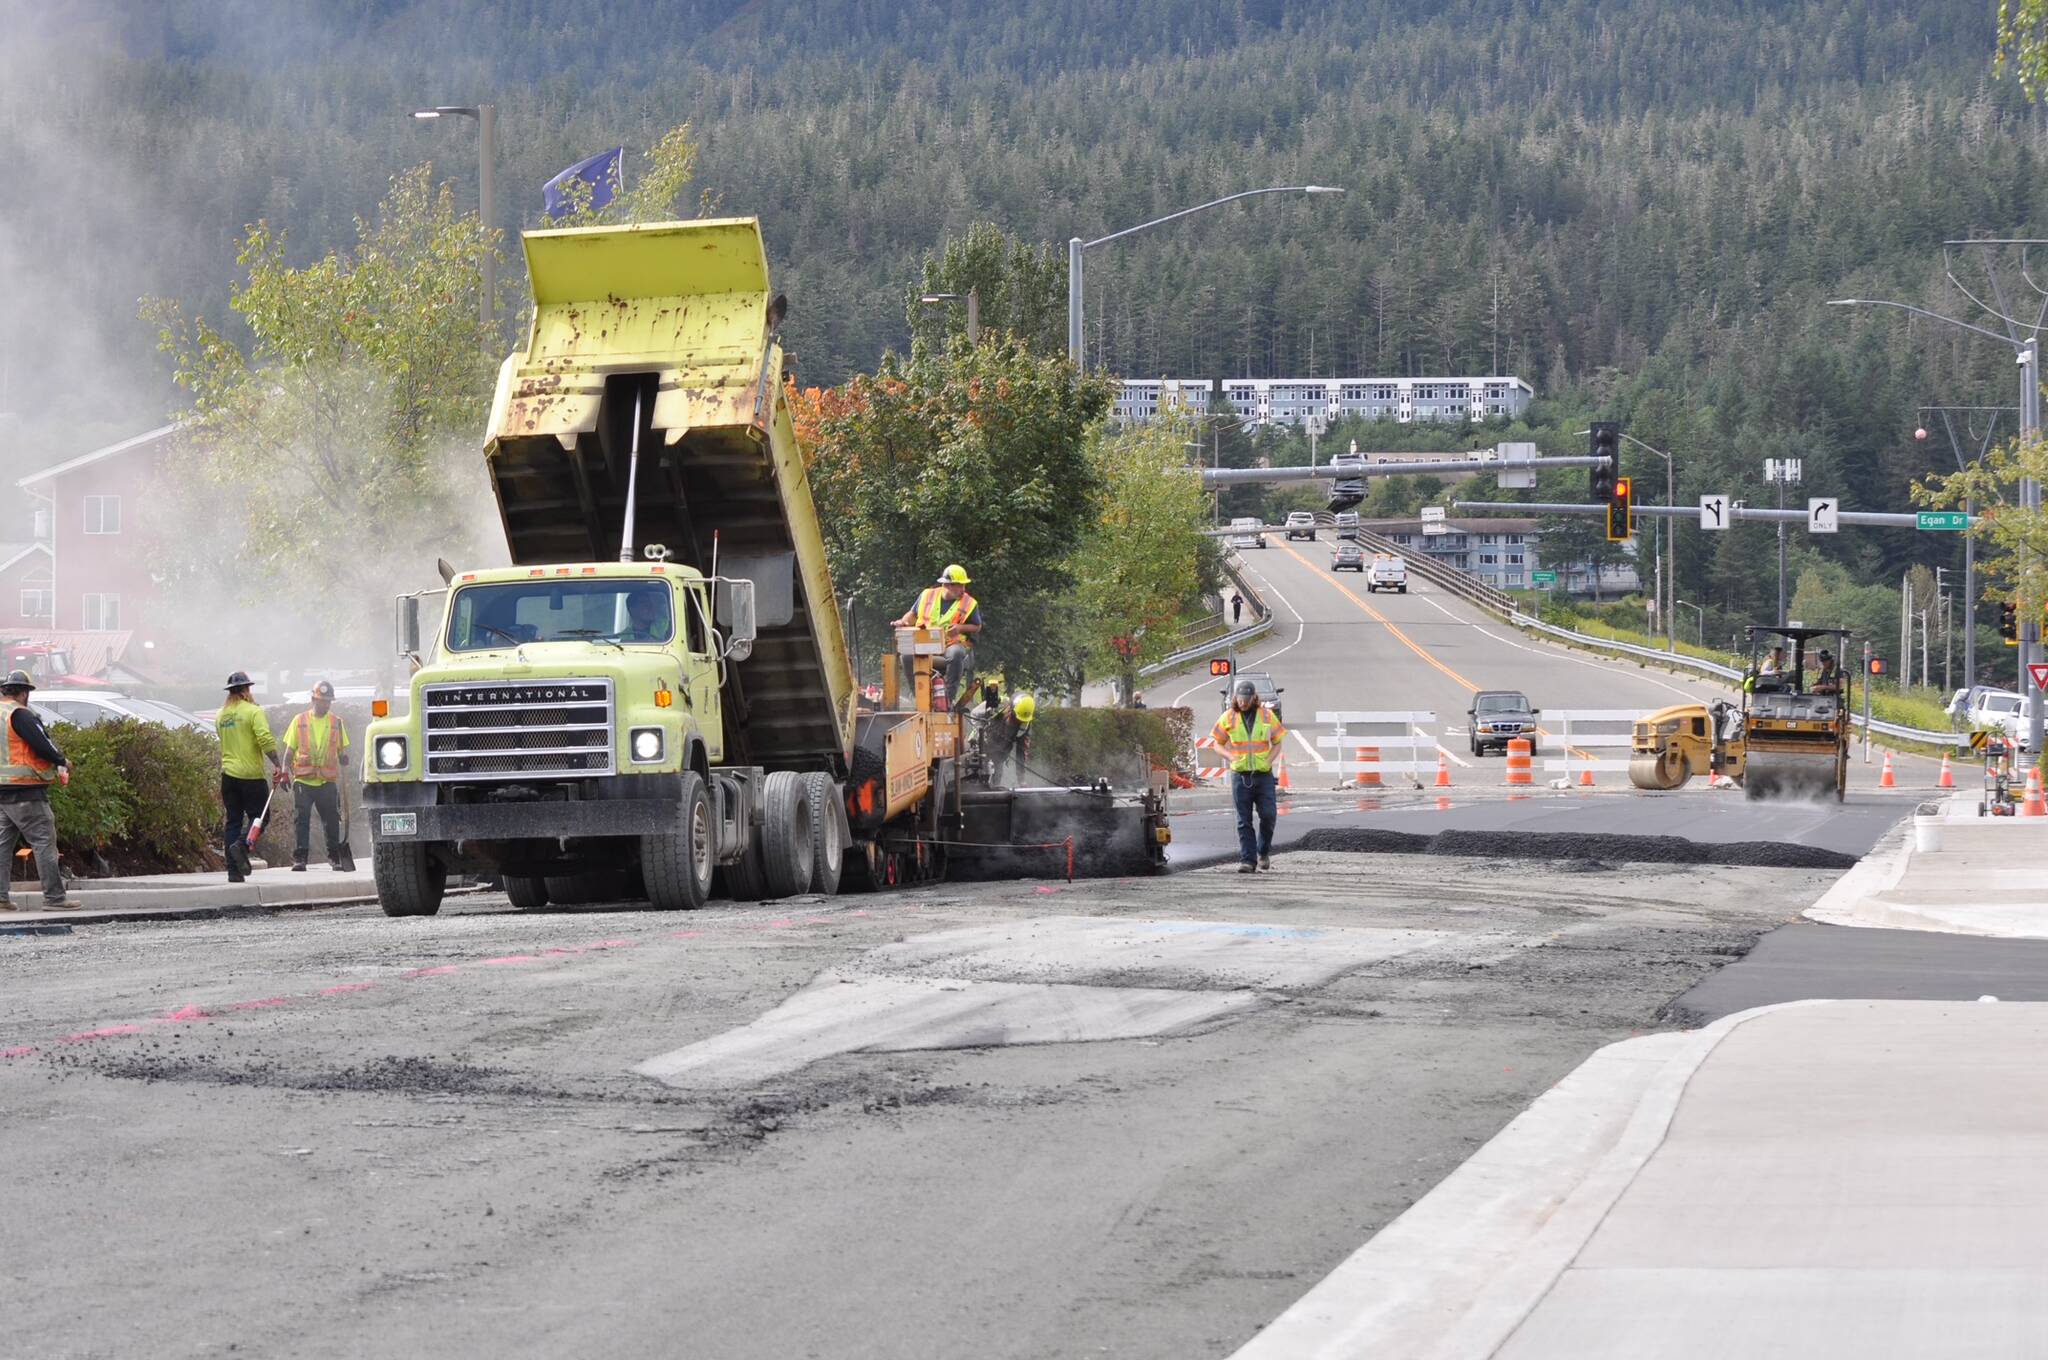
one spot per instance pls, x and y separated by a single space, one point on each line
510 729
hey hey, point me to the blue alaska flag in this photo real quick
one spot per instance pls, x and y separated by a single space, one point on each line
602 172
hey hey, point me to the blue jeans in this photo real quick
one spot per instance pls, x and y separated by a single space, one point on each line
1249 791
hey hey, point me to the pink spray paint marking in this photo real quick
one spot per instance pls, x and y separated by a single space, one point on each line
21 1052
684 934
105 1032
183 1015
784 924
346 988
442 971
505 959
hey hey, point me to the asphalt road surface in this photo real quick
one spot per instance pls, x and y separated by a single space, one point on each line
1128 1118
1334 648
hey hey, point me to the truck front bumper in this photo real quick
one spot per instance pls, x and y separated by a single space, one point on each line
633 805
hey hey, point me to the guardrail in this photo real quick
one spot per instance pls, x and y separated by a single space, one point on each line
1261 625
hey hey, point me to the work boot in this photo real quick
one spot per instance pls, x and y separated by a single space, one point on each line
298 866
1265 861
1247 868
67 904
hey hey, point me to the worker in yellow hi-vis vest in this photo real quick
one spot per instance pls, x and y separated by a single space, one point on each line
1249 734
948 610
316 752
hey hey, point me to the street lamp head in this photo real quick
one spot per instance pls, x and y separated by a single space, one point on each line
439 110
426 113
930 298
1319 189
1845 302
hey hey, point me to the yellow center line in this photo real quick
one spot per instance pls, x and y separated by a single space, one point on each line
1410 643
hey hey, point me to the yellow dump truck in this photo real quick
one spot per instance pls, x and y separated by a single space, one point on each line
657 692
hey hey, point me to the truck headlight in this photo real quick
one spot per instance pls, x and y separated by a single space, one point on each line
391 753
647 745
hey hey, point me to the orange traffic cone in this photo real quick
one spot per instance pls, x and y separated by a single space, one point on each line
1885 780
1443 770
2035 805
1285 785
1586 778
1948 778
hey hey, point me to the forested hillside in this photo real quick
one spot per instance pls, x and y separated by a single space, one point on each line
1633 204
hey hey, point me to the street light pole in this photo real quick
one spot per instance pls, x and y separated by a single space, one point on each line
973 300
2027 354
1076 248
486 116
1670 538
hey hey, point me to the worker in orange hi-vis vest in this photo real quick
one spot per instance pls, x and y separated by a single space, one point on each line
316 752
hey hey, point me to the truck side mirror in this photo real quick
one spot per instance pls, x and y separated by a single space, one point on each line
408 625
738 598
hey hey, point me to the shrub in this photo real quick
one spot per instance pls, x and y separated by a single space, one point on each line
177 771
93 809
1078 745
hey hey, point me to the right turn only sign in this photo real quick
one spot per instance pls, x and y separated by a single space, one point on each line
1821 516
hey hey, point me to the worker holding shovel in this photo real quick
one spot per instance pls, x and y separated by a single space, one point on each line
245 743
316 752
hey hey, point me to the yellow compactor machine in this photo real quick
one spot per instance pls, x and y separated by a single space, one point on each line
1788 739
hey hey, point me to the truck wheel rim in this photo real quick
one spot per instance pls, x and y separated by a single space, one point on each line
700 842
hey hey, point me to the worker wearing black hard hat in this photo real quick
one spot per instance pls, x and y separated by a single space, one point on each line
245 741
33 763
1249 735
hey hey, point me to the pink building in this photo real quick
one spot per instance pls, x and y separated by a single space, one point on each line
96 568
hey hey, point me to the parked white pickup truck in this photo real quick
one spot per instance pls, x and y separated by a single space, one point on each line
1387 572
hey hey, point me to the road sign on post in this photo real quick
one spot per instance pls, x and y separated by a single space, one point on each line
1542 578
2037 671
1713 512
1944 521
1822 516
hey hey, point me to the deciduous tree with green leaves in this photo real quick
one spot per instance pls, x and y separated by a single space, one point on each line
340 429
1138 569
977 455
1019 286
2012 543
671 166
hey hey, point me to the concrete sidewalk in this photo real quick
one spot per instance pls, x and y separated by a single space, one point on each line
1974 876
1838 1178
175 895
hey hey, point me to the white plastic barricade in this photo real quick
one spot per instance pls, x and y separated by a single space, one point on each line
1394 744
1577 739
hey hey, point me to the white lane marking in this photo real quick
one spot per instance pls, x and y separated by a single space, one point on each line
1454 757
1561 653
1300 630
1312 752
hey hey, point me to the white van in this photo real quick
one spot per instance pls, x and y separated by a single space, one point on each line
1246 532
1387 572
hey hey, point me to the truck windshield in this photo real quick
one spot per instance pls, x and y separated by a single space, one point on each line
621 610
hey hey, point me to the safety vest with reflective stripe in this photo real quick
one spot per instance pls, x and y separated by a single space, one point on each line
934 610
319 764
23 765
1251 750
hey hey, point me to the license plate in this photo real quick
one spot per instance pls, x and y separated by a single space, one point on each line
399 824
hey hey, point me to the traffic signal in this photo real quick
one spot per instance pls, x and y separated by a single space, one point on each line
1604 441
1219 665
1621 511
1877 666
2009 623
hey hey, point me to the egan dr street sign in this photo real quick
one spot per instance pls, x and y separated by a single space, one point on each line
1946 521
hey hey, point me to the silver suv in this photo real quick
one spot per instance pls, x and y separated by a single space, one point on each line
1301 524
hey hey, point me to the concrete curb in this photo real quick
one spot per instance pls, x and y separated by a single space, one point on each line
1870 896
1848 901
1454 1276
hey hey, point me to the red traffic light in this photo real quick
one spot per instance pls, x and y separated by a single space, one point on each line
1219 666
1877 665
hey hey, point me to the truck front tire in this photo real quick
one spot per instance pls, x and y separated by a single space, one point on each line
829 833
409 882
677 864
786 843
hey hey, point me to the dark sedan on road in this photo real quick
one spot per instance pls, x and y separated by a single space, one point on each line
1498 717
1348 557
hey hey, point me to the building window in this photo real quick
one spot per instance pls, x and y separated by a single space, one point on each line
102 611
1487 559
103 514
35 603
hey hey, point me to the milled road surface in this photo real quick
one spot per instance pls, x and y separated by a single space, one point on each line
331 1134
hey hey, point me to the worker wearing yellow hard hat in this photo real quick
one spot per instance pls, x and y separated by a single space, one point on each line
948 610
1009 734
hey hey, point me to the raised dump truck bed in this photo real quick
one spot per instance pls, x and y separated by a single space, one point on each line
672 325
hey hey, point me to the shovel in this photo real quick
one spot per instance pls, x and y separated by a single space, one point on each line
344 858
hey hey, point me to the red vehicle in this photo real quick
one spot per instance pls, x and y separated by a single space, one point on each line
49 666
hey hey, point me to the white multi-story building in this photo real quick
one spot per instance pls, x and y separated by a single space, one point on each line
1291 401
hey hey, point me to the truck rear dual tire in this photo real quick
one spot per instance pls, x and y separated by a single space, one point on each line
409 882
829 833
527 894
788 841
677 864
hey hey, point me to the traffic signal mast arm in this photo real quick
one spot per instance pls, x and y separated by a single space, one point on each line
1215 477
1883 519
